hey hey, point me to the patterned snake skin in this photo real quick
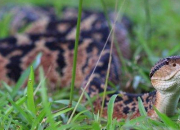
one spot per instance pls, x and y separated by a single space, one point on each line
55 38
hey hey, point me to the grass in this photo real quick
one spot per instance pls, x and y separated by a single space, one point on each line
155 34
75 51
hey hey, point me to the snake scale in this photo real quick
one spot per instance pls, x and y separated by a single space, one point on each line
55 38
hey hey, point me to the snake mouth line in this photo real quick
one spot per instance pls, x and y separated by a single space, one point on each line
172 75
167 78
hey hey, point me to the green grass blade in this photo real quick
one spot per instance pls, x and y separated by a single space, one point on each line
105 85
15 122
30 96
61 112
7 87
66 127
110 111
166 120
135 121
156 123
75 51
18 102
8 124
20 110
141 107
96 126
77 116
79 108
38 120
56 124
45 101
3 101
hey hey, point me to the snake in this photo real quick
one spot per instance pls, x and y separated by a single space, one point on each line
55 38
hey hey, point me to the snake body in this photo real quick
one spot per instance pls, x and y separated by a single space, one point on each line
55 39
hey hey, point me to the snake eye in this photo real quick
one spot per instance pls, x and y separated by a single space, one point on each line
174 65
167 62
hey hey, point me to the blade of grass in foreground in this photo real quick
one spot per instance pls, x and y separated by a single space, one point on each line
20 110
7 87
141 107
19 124
79 108
166 120
18 102
62 112
45 101
110 112
8 124
143 112
75 51
38 120
30 96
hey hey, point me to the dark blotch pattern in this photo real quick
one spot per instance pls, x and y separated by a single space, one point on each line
14 69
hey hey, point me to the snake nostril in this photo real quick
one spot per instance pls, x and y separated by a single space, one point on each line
174 64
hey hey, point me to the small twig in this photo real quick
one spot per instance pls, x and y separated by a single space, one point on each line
91 76
120 56
109 64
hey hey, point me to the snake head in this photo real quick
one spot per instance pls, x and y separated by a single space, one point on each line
166 72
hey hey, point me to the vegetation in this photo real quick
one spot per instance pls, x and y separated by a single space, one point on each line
155 34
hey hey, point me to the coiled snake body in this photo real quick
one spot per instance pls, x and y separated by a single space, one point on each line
55 39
